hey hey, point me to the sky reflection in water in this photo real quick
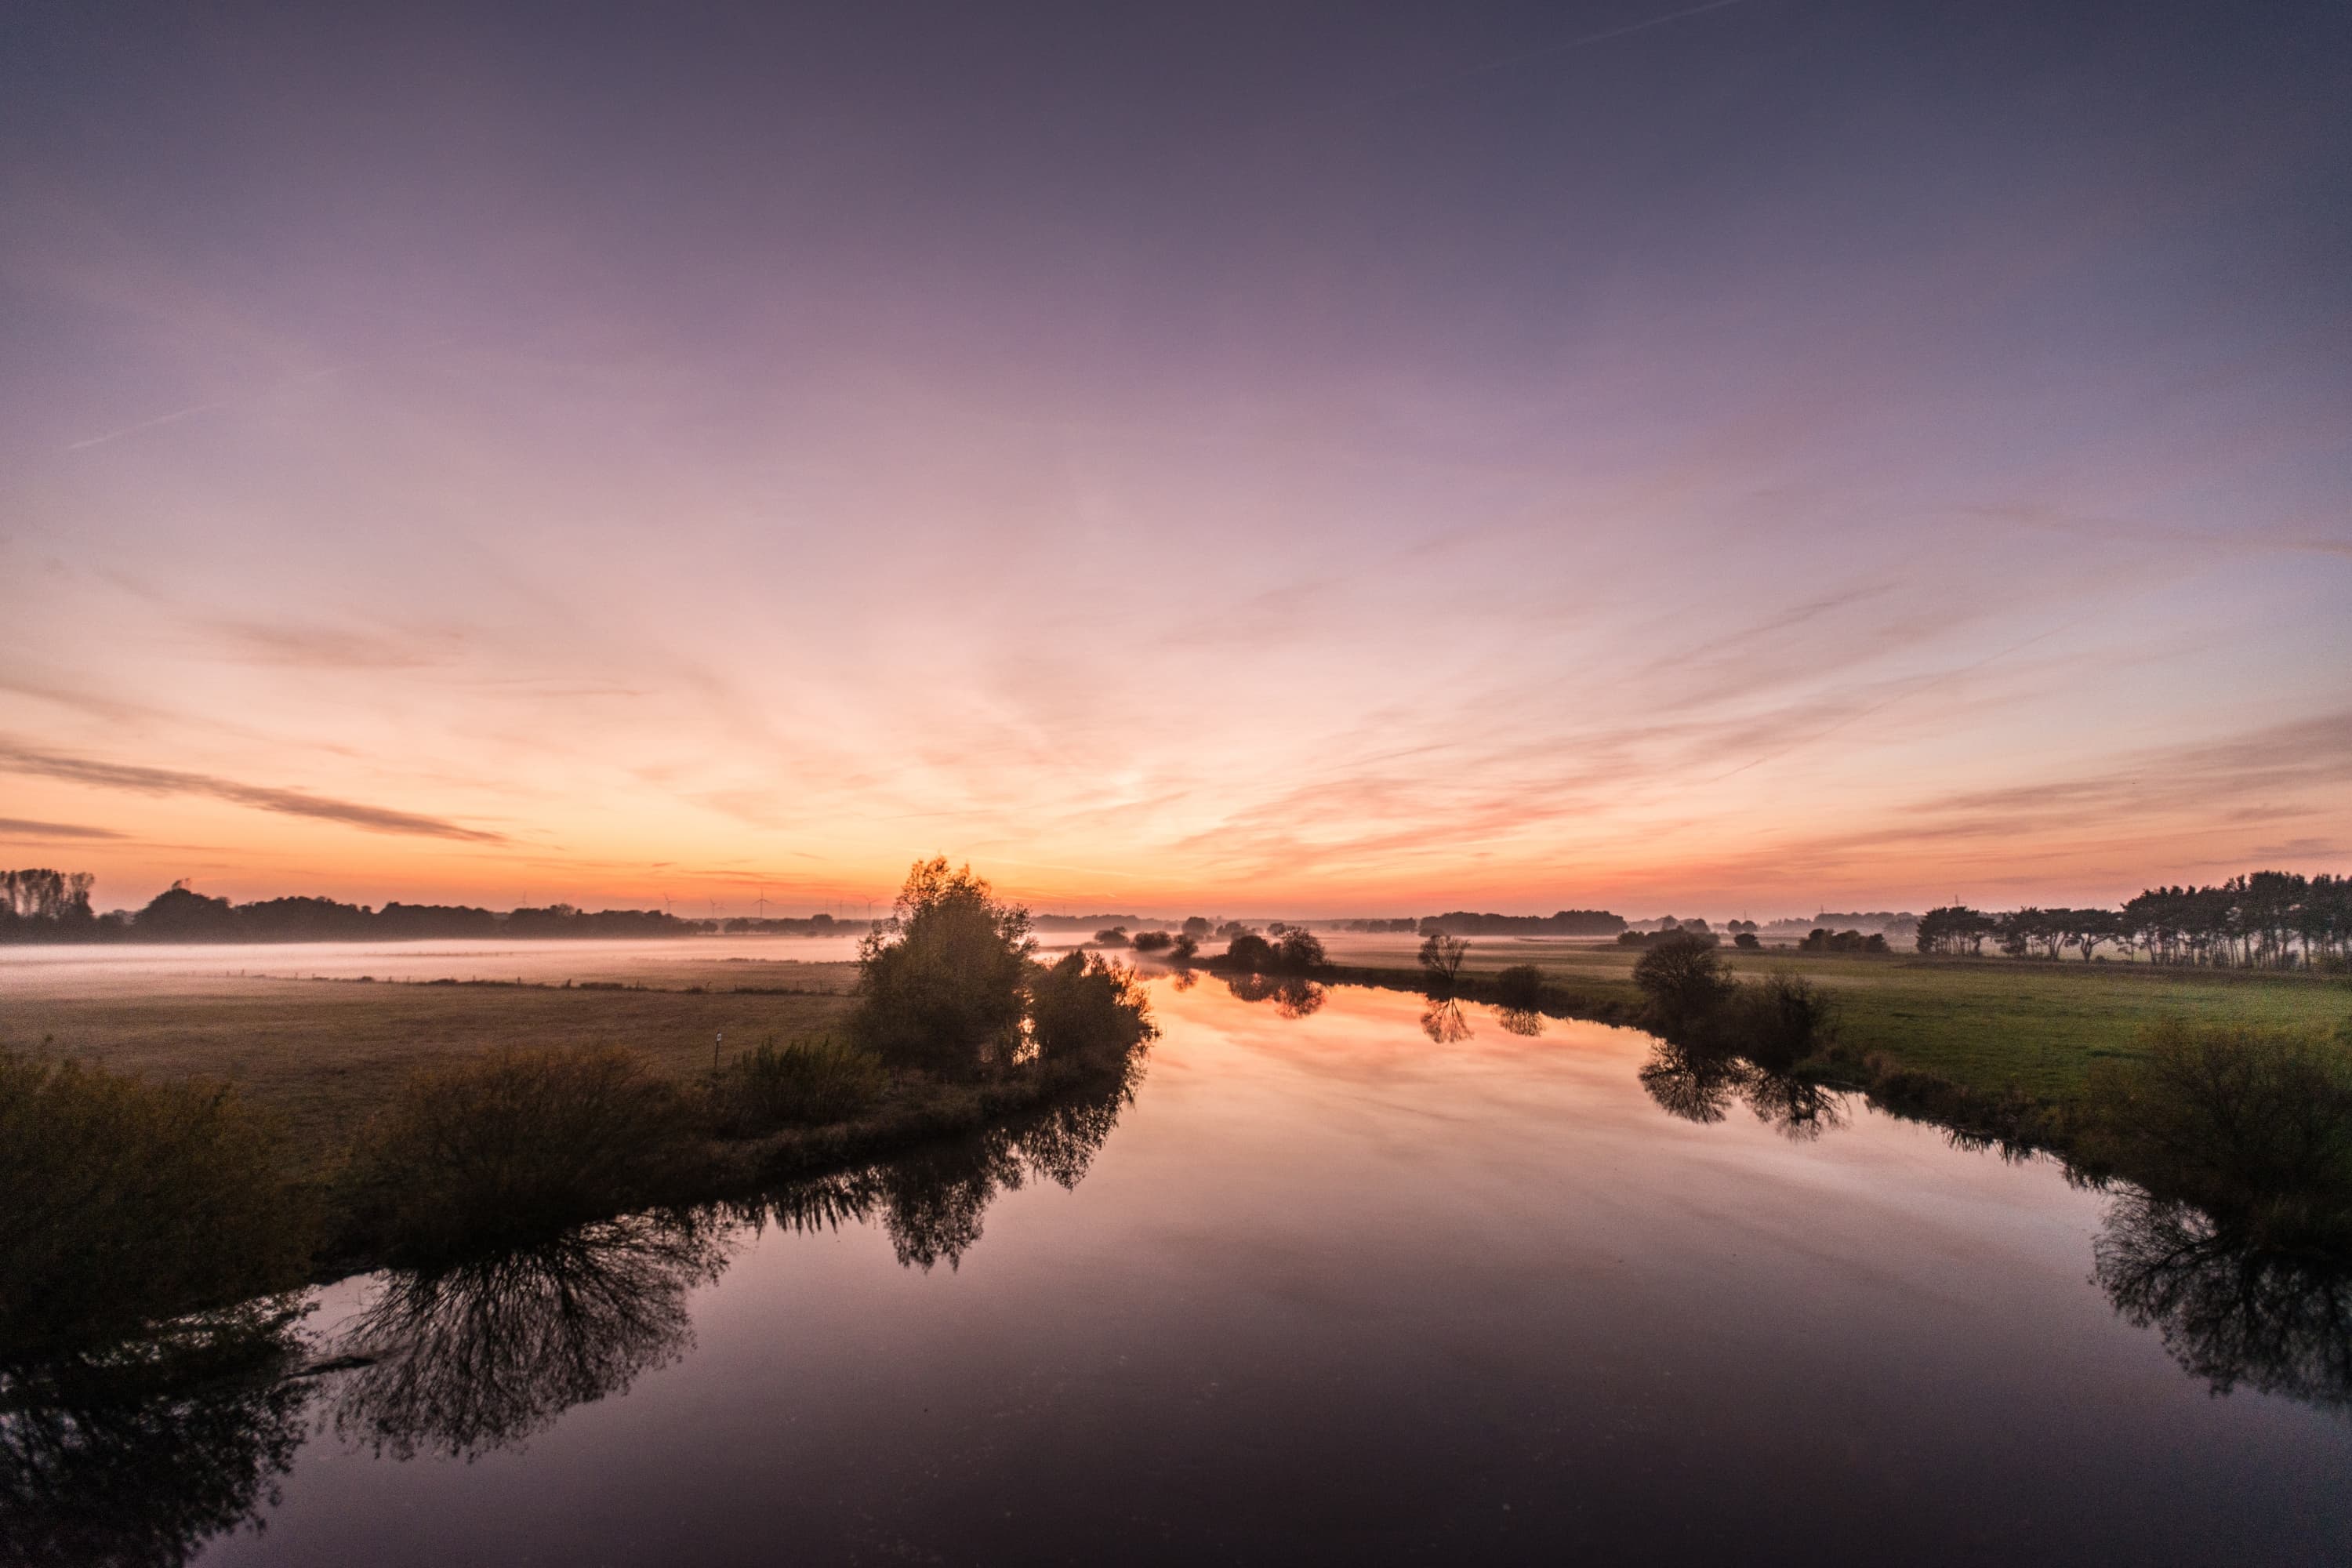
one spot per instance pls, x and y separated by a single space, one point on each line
1324 1289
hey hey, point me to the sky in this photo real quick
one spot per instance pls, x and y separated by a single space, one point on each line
1750 457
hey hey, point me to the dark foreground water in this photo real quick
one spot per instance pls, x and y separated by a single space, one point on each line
1344 1283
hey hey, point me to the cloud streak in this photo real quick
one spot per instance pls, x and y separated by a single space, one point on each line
18 827
21 759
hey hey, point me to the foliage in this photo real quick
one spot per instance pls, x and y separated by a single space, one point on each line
124 1201
941 986
1519 988
1821 940
1116 936
1086 1007
805 1083
1186 948
2251 1124
1154 940
1780 1021
1683 979
1251 951
515 1145
1300 951
1746 941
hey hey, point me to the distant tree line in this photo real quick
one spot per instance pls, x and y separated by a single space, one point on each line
42 905
2265 920
1566 923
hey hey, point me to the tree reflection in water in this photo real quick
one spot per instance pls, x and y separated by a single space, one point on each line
140 1453
483 1355
2230 1311
1699 1085
1444 1021
1294 997
930 1205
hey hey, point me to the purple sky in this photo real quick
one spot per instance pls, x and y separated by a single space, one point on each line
1750 456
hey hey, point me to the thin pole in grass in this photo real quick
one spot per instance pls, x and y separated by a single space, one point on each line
714 1049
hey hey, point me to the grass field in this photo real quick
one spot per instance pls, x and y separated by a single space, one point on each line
1988 1024
325 1054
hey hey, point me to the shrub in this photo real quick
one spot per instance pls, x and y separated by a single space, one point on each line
516 1145
1746 941
1519 988
1154 941
1251 951
1300 951
1115 937
1186 948
805 1083
2250 1123
1683 978
1781 1022
941 984
122 1202
1084 1006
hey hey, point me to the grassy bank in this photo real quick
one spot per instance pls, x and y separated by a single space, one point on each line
1993 1025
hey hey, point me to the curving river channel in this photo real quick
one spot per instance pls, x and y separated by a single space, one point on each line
1351 1278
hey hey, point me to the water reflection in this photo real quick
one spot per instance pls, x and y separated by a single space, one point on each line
1695 1085
1523 1021
930 1203
483 1355
2230 1311
140 1453
1699 1085
1444 1021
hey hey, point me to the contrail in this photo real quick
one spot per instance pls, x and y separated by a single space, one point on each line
191 412
171 418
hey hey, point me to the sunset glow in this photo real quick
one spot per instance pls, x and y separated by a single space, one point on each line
1391 469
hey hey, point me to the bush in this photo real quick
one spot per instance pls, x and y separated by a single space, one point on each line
1251 951
1154 941
1779 1022
1186 948
2248 1123
941 986
1519 988
1746 941
1301 950
1085 1007
1683 978
1115 937
805 1083
123 1202
516 1145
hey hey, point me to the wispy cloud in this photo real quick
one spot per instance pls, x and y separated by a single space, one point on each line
18 827
20 758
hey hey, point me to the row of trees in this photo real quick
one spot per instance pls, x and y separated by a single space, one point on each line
2265 919
1565 923
43 905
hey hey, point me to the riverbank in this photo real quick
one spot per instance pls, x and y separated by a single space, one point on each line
1990 1025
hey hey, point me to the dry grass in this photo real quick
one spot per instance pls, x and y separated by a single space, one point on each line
323 1056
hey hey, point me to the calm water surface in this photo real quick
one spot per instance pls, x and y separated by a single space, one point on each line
1330 1289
